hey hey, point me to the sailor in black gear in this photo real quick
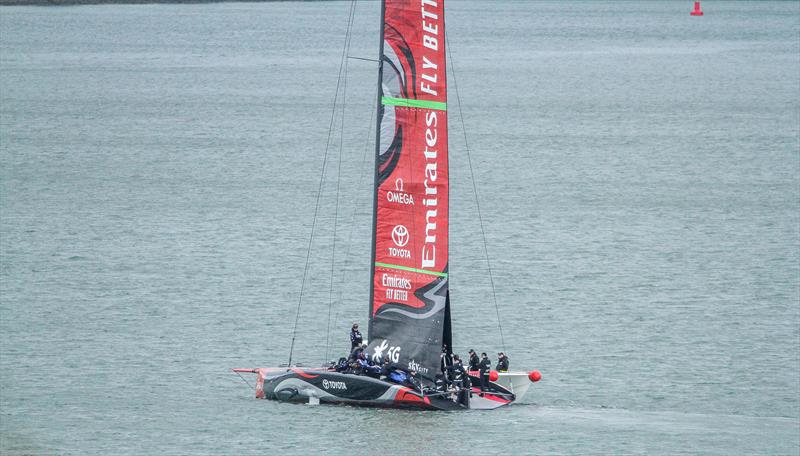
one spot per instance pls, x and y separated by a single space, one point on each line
474 361
355 337
440 382
386 366
446 364
484 366
502 362
360 365
458 376
359 350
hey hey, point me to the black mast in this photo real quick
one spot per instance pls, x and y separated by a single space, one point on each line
379 116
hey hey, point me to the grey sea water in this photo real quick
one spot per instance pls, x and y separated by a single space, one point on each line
639 178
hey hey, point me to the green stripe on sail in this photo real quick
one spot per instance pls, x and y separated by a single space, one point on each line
412 103
406 268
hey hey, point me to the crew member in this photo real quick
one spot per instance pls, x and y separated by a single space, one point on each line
458 375
359 350
386 367
446 363
371 369
361 364
484 366
502 362
474 361
440 382
355 337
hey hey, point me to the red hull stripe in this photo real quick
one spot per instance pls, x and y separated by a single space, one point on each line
491 396
406 395
303 374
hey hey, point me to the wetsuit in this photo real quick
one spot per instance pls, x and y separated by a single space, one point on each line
357 351
458 375
502 364
447 364
484 367
474 361
355 338
386 369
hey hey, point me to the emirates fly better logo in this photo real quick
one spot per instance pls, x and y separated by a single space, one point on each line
400 235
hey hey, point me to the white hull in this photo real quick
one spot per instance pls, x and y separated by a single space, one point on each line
516 382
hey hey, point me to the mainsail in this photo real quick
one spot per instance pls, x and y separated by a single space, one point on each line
409 298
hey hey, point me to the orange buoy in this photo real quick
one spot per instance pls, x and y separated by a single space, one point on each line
535 376
697 11
493 376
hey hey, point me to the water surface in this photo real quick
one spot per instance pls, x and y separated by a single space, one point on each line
638 177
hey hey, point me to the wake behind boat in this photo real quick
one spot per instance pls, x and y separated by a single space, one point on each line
409 307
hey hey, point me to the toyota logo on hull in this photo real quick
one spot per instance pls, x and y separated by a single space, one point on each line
331 384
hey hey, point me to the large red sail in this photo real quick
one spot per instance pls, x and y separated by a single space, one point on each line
409 296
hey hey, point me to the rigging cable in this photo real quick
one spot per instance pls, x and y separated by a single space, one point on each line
475 190
321 181
348 39
245 380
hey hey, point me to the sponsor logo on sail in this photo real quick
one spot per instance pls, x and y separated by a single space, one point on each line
391 280
400 238
398 195
431 61
396 287
392 352
431 200
430 39
415 366
400 235
331 384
